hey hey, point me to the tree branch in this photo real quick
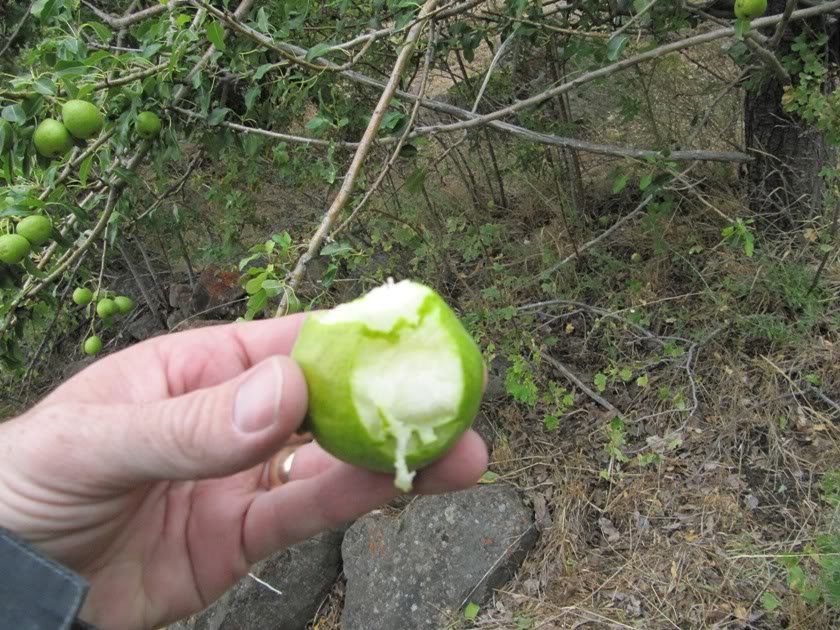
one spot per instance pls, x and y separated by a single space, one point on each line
574 378
361 153
606 71
134 18
19 26
790 7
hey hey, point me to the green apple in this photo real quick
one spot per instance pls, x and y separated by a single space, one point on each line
92 345
394 379
750 9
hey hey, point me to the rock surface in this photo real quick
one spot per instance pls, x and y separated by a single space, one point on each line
303 575
216 294
416 571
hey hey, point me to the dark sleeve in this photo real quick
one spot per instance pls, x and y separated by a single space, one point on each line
37 593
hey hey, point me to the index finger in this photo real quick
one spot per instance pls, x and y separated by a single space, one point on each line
180 363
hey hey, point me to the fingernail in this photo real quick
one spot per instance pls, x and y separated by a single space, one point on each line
257 403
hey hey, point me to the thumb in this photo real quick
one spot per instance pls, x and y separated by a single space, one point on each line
219 430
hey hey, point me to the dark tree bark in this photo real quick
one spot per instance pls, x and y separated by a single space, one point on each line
788 152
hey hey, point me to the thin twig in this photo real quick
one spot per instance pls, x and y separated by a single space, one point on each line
577 381
134 18
831 233
19 26
634 19
601 237
142 286
47 335
343 195
430 51
790 7
174 189
606 71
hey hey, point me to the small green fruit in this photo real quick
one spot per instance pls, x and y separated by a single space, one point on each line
52 139
82 119
13 248
93 345
604 220
750 9
147 124
106 308
636 257
82 296
37 229
124 304
394 379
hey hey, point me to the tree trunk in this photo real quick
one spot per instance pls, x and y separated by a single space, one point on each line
788 152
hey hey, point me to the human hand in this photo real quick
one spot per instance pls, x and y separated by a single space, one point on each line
150 472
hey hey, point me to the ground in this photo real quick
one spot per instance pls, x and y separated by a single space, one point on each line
670 417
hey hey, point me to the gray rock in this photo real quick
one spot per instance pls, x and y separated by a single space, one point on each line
496 375
180 296
415 571
217 294
304 575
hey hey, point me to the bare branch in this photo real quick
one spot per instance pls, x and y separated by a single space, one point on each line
606 71
427 66
790 7
31 287
574 378
600 237
15 32
134 18
267 133
361 153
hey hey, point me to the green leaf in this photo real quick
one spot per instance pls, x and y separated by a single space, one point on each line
414 182
272 288
626 374
255 284
642 381
284 240
616 46
251 96
248 259
262 20
42 9
216 34
334 249
489 477
749 242
127 175
620 183
84 169
318 125
329 276
317 50
217 116
260 72
770 601
471 611
256 303
14 113
45 86
645 182
601 382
